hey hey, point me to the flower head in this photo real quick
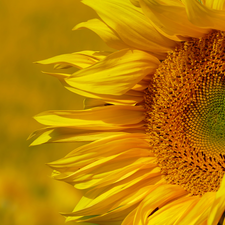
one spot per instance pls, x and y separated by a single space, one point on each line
154 115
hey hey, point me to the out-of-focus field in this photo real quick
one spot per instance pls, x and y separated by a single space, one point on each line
31 31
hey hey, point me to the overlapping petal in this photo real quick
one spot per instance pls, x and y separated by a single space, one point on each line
200 212
157 198
105 170
132 174
164 16
79 60
107 34
107 118
204 17
131 25
61 134
90 124
218 205
116 74
80 157
118 78
116 198
215 4
174 211
186 210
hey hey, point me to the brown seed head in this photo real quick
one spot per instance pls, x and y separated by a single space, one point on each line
185 118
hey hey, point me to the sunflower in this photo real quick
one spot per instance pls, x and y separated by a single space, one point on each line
154 115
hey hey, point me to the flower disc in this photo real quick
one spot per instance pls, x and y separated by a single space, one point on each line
186 114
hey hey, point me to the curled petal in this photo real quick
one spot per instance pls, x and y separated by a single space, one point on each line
104 32
79 60
131 97
116 74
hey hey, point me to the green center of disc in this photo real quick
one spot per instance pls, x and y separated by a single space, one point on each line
206 116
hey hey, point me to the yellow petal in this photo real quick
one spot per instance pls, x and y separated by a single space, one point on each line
129 218
101 174
174 212
131 25
171 19
122 207
131 97
157 198
200 212
99 118
45 136
80 60
117 197
218 206
141 86
203 16
105 147
104 32
60 76
121 142
60 134
104 199
215 4
116 74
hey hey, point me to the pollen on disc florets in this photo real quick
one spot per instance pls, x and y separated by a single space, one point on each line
185 117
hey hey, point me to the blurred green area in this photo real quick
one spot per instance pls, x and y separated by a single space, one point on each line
31 31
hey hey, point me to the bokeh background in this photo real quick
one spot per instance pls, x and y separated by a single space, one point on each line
31 31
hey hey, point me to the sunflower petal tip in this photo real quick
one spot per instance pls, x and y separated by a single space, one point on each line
76 27
41 62
30 136
48 164
33 144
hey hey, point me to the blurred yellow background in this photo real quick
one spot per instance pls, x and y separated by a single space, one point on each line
31 31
